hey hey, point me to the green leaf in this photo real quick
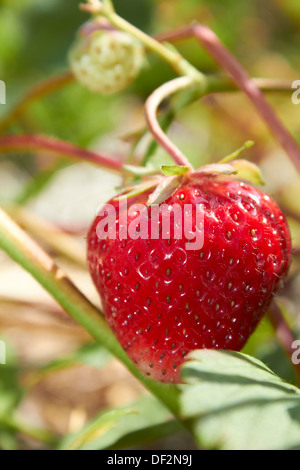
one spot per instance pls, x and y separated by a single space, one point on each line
122 427
248 171
236 402
237 153
172 170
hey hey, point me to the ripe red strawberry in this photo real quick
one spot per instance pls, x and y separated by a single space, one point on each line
163 300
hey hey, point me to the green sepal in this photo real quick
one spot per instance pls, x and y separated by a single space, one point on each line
164 190
139 188
173 170
237 153
248 171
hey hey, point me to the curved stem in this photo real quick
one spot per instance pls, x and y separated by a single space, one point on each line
54 146
151 108
226 60
38 91
223 57
22 249
240 77
172 57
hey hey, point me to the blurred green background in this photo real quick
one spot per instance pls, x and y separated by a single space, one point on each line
35 37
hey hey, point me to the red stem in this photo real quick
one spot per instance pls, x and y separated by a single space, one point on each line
151 107
25 142
228 62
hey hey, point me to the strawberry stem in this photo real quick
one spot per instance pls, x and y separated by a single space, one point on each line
223 57
151 108
208 39
239 75
54 146
171 56
27 253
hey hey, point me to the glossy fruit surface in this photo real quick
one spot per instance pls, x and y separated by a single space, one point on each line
163 300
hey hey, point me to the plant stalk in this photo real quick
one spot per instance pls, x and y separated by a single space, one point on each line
22 249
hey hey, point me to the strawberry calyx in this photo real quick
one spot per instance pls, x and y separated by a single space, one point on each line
166 181
243 169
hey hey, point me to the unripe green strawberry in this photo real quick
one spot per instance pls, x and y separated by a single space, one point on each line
105 60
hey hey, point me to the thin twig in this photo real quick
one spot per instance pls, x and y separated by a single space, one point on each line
240 77
54 146
284 333
151 107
